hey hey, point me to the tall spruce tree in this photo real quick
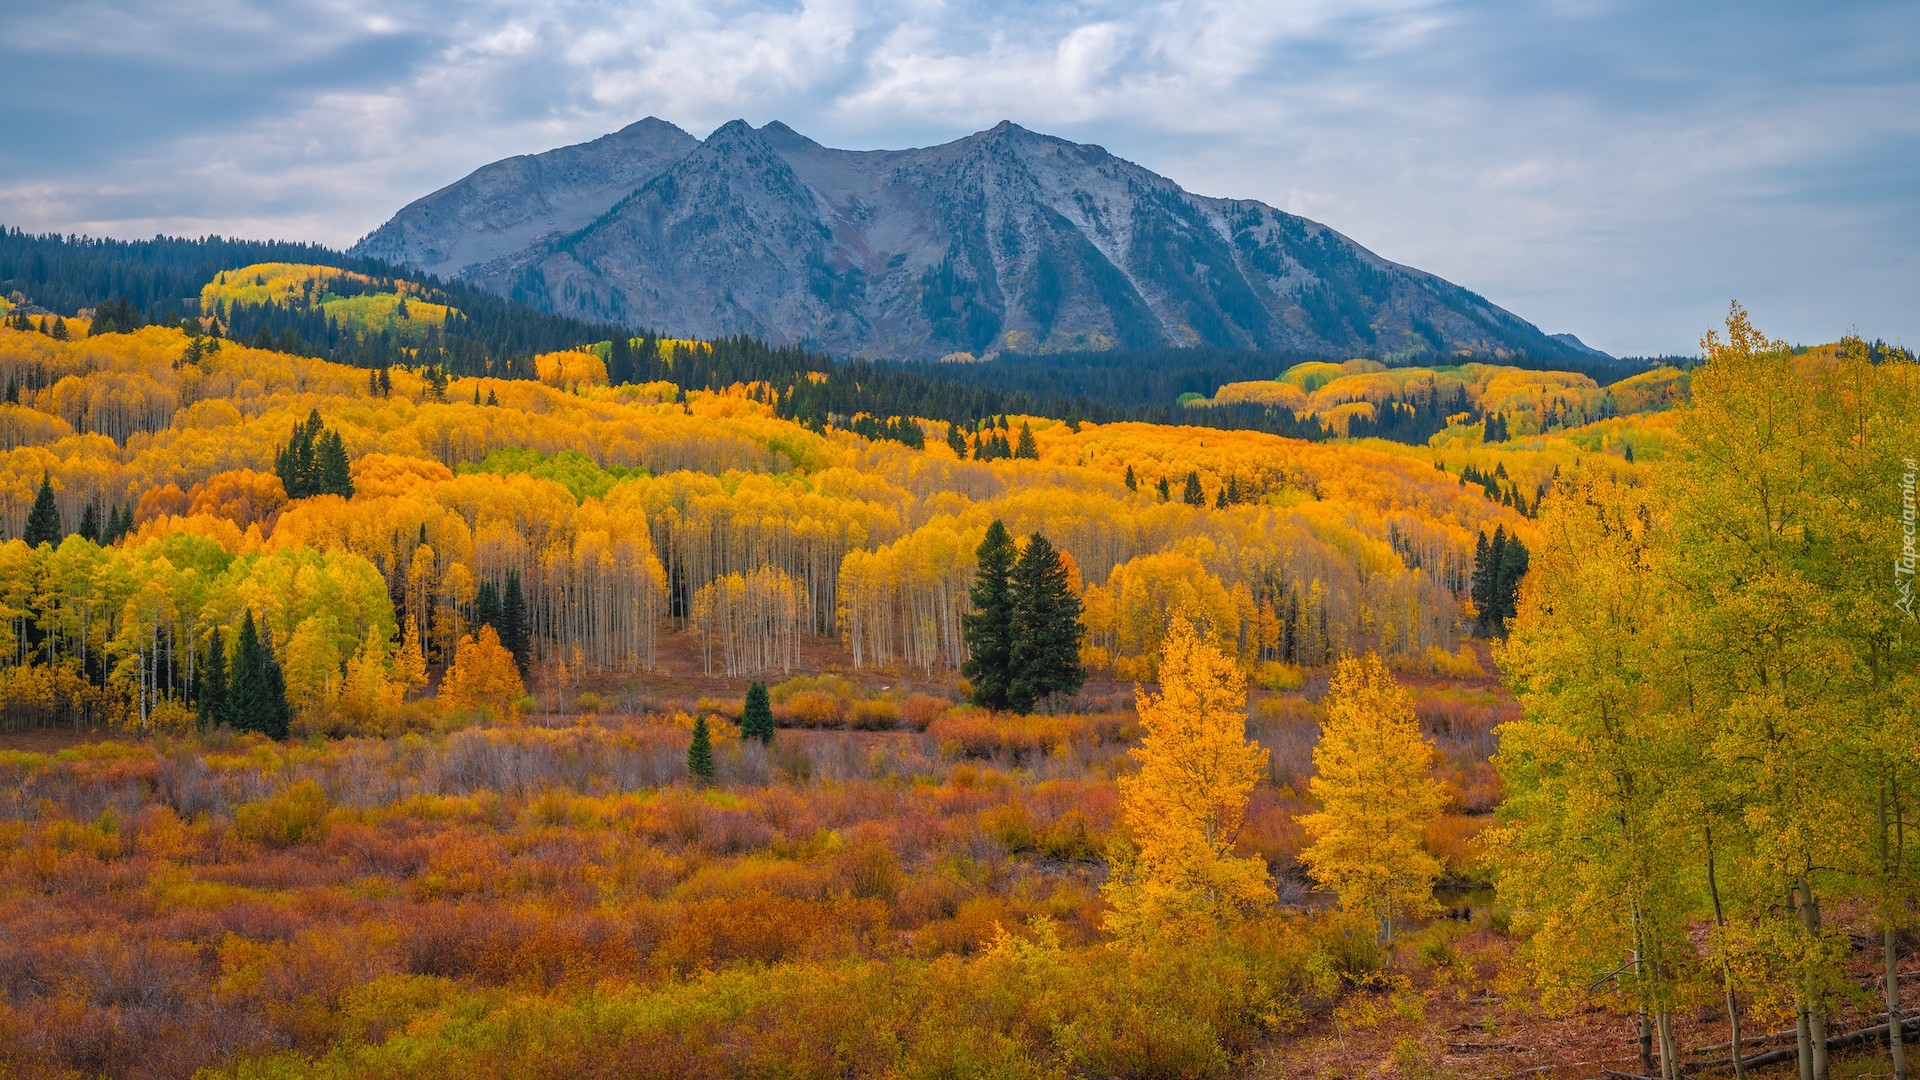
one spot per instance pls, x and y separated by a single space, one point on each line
210 700
1044 657
1498 566
90 524
1193 496
756 720
700 753
247 706
486 606
516 631
279 715
620 360
335 476
1026 448
43 521
989 629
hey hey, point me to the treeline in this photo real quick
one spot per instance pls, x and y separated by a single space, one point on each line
159 281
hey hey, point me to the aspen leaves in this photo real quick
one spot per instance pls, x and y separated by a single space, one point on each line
1377 798
1185 806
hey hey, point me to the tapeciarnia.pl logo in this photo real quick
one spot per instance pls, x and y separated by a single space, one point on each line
1903 567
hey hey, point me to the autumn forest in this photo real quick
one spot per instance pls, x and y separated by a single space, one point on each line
396 682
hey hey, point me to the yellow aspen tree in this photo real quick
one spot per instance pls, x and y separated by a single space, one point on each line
483 676
1377 797
1185 806
1610 810
366 686
409 666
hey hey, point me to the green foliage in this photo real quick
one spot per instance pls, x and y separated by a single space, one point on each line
571 469
516 629
989 628
257 694
1026 448
1044 658
1498 566
314 461
43 521
756 719
700 753
211 694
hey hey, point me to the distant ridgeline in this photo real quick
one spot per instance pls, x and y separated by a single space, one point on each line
166 279
308 300
1482 402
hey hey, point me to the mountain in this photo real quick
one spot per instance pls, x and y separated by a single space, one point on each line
503 209
1579 346
1004 241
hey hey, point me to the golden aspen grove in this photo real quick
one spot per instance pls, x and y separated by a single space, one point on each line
390 719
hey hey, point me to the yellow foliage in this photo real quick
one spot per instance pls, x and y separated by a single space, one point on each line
1185 806
570 369
296 813
1377 798
484 676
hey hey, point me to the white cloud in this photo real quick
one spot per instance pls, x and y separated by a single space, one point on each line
1606 167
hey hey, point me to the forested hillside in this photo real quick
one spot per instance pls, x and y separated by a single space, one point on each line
662 710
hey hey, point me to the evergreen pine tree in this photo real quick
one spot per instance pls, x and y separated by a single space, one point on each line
756 720
1513 567
1027 448
336 478
43 522
989 629
515 629
491 399
486 606
1481 589
90 524
247 708
211 699
1220 499
620 360
1193 496
1044 657
700 753
1166 494
1132 483
279 715
956 441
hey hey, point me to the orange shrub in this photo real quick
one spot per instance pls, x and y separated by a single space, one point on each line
293 815
812 709
878 714
921 710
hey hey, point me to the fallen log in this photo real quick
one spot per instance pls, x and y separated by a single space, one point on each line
1834 1042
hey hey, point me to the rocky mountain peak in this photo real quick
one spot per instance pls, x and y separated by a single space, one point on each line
1006 239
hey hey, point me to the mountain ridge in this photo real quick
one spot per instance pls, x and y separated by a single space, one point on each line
1005 240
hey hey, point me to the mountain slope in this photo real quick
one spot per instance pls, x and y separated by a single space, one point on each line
1006 240
503 208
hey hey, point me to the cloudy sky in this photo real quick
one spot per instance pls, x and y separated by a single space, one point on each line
1619 170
